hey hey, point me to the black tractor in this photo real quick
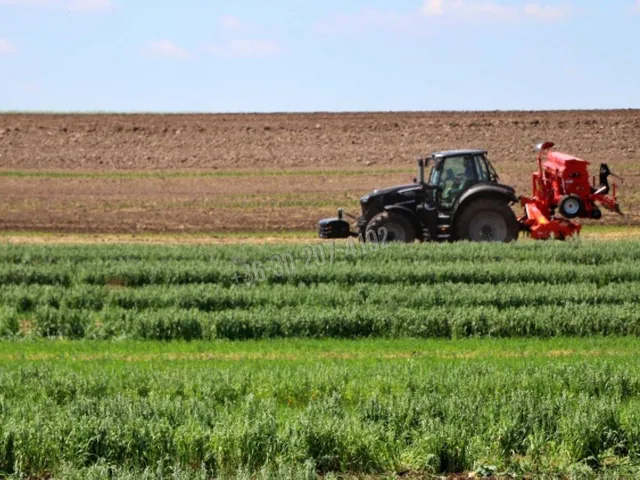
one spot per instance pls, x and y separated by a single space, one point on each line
462 199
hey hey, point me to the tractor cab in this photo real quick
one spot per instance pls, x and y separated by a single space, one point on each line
454 172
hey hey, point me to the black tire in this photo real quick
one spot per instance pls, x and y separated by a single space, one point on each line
390 227
487 220
571 206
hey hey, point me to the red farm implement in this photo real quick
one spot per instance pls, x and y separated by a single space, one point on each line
562 183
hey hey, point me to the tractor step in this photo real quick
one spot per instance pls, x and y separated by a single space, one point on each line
444 232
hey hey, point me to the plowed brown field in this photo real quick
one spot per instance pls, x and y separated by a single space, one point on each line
220 173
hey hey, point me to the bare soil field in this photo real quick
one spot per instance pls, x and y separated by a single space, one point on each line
103 173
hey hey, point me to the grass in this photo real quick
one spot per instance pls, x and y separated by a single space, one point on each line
238 235
609 232
200 174
326 350
292 409
28 237
276 201
590 232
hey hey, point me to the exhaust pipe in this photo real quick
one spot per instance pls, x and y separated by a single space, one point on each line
421 171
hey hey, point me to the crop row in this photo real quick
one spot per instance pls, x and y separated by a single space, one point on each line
417 273
579 253
320 322
212 297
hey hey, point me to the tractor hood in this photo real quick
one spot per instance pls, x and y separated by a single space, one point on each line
392 195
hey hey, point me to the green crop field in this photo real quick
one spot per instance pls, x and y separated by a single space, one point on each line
295 361
289 409
317 291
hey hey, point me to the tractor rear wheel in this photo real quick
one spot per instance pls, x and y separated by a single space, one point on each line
487 220
390 227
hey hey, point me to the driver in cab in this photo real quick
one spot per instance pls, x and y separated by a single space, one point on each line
459 173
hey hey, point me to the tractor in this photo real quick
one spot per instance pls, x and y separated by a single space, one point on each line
463 199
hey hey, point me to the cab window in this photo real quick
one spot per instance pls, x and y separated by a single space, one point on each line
458 174
482 174
434 178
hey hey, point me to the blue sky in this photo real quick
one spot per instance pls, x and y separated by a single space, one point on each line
331 55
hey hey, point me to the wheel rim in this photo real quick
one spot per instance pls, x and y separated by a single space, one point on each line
488 227
571 206
395 233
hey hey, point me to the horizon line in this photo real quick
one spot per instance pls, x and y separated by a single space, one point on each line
304 112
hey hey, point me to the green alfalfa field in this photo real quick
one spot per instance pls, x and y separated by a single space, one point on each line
320 359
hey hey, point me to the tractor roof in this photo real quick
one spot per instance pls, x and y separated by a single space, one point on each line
458 153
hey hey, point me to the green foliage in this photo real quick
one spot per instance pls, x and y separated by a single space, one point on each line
295 409
426 291
9 323
301 408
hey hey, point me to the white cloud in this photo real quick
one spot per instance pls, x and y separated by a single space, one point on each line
433 7
372 19
230 22
167 49
245 49
462 8
6 46
489 10
493 10
232 41
420 22
30 3
70 5
90 5
549 13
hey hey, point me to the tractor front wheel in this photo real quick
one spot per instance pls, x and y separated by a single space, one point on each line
488 220
390 227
